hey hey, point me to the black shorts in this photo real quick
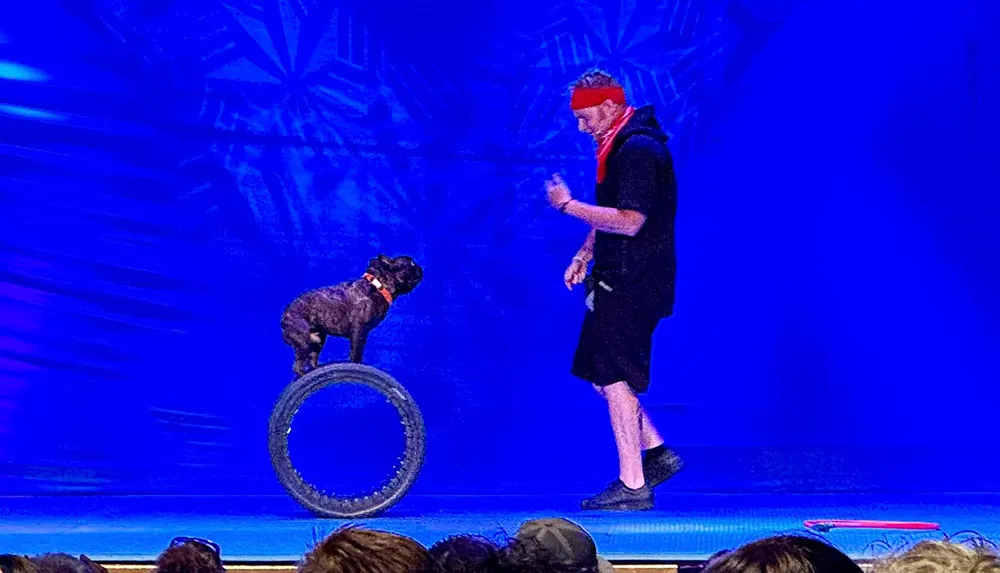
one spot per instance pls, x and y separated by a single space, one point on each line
616 340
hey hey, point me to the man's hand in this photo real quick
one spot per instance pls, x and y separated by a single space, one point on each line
557 191
575 272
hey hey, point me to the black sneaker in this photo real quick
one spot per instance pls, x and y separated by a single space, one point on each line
659 465
618 497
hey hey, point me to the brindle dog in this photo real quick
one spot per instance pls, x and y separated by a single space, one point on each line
349 310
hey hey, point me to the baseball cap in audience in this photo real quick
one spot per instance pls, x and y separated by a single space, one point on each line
565 541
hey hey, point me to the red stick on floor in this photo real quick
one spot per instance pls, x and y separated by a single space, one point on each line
828 524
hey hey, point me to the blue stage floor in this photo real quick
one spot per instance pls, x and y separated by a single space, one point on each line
273 529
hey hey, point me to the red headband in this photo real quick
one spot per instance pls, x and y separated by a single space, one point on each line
589 97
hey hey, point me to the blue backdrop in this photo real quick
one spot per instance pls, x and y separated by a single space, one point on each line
175 171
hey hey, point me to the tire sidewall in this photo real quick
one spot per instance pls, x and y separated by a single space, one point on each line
294 396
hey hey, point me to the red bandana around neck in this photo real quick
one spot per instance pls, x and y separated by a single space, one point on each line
604 147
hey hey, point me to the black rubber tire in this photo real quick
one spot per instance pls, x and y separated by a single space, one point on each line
298 392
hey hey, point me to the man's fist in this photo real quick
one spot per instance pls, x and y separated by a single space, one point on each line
557 191
575 273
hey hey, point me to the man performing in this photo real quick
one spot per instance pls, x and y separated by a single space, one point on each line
631 287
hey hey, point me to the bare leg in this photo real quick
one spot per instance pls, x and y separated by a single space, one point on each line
624 408
649 437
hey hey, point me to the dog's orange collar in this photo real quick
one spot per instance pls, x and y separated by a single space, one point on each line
379 287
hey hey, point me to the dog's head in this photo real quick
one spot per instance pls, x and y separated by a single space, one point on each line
400 274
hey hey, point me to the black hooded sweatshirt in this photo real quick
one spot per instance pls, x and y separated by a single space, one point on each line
639 176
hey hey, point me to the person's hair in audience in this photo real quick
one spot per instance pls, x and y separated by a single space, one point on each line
943 557
65 563
695 567
784 554
465 554
352 549
528 556
16 564
190 555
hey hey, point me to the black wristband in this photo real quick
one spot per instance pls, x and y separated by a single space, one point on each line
562 208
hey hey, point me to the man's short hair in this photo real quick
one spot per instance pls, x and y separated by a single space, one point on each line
353 549
596 78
